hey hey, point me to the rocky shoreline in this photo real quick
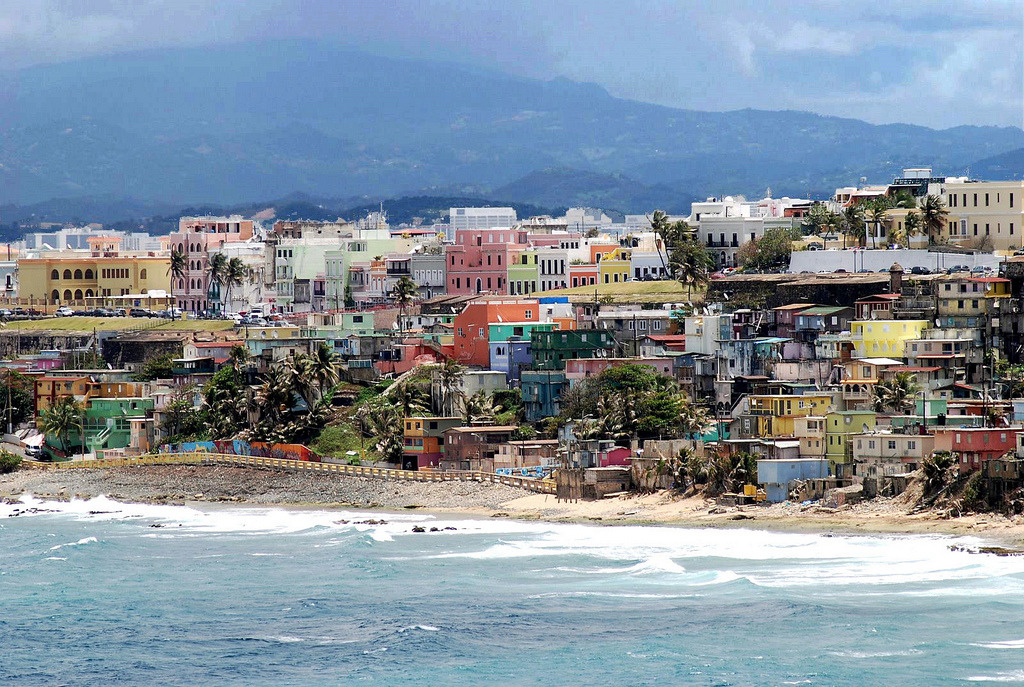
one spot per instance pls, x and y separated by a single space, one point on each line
177 484
180 484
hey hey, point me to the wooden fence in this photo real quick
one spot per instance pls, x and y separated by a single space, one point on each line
541 486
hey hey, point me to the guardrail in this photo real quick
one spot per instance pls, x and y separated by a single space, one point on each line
541 486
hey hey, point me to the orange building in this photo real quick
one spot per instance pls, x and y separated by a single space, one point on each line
472 325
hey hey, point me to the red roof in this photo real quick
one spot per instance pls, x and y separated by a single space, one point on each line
668 338
940 356
907 368
989 280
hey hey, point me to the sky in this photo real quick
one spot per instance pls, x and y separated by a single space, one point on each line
929 62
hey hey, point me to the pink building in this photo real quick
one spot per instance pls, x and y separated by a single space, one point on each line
975 446
581 368
478 261
197 238
582 275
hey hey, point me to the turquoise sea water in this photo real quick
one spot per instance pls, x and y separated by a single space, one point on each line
246 596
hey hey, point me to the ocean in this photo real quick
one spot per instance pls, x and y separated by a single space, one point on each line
103 593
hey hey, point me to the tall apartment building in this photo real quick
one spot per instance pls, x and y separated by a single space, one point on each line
479 218
197 239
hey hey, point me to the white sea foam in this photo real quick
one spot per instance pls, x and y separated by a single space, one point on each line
424 628
54 558
1010 644
80 542
874 654
1010 676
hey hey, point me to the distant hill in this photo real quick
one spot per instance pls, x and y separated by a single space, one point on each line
228 125
131 215
1007 166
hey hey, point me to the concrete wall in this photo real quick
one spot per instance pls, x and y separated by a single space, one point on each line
874 260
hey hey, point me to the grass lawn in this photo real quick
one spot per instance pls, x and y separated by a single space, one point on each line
629 292
87 324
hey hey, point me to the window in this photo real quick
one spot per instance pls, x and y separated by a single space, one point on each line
54 274
911 445
892 445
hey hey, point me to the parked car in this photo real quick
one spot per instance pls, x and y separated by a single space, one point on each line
120 312
958 268
917 269
4 312
64 311
981 270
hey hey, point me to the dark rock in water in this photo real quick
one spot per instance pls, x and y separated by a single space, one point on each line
417 528
993 550
434 529
741 516
156 524
451 529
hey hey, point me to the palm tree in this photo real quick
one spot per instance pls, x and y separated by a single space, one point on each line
403 294
450 385
301 378
235 274
216 269
933 216
177 266
659 225
693 419
896 393
410 399
324 368
479 409
877 213
691 264
853 222
61 419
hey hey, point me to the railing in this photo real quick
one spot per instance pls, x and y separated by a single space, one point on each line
542 486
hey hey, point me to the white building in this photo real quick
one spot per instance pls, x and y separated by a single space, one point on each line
479 218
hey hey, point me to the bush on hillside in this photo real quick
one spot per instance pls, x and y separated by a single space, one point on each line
9 462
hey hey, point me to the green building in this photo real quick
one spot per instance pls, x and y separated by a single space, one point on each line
523 274
552 349
839 425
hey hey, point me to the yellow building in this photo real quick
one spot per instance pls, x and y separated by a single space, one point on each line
615 266
776 413
884 338
91 278
987 215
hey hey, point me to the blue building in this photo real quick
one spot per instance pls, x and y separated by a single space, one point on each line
775 475
542 391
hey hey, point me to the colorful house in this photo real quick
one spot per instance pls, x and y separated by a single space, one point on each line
472 324
423 441
975 446
881 338
614 267
839 427
552 349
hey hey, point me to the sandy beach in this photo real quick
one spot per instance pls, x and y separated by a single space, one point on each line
185 484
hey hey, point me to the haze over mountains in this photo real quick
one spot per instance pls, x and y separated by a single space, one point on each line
258 121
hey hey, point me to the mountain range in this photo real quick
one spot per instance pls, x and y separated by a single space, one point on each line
237 124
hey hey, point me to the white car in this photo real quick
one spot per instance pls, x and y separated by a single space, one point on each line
64 311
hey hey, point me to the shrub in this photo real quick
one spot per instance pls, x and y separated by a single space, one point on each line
9 462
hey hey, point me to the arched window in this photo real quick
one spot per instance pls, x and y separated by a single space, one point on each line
192 283
181 286
191 248
479 285
55 275
181 247
67 274
78 274
88 274
78 294
88 293
142 274
55 296
67 294
145 290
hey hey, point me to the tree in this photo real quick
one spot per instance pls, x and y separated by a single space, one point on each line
877 212
896 393
17 400
450 387
383 422
324 368
852 222
216 270
693 419
61 420
157 367
235 274
911 228
403 294
479 409
933 217
821 219
182 420
771 251
350 301
178 265
685 259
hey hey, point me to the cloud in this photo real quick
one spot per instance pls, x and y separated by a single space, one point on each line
961 59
